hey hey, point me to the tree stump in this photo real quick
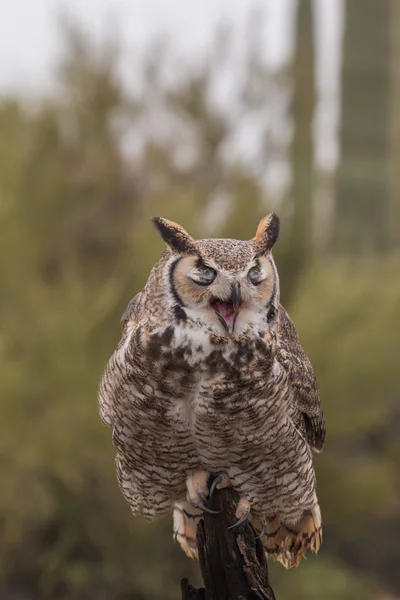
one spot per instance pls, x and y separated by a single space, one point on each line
232 561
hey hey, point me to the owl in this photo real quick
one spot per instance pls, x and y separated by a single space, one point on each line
209 387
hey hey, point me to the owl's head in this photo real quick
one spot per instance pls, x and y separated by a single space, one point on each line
229 285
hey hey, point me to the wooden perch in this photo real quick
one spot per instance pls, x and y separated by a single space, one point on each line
232 561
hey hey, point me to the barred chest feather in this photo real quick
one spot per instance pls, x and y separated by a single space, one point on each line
229 394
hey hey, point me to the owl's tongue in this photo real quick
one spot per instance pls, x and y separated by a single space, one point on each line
226 311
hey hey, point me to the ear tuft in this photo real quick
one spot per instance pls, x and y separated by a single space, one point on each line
175 236
267 233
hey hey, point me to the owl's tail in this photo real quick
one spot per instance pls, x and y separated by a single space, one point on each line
288 544
186 519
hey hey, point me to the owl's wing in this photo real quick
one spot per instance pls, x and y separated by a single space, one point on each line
115 374
129 311
309 415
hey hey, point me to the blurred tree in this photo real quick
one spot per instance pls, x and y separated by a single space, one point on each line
299 245
363 204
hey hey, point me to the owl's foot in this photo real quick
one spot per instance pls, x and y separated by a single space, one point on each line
288 544
197 491
242 512
186 519
305 535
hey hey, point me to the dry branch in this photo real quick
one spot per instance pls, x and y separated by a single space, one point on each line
232 561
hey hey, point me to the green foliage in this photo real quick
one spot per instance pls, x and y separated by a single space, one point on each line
320 576
345 322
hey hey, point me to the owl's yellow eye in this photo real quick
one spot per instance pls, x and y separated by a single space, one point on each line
203 276
255 275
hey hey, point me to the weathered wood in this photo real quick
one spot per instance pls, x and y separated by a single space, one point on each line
232 561
191 593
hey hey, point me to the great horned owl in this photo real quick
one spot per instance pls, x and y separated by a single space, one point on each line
210 380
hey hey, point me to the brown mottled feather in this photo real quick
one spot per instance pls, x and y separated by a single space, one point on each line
129 311
301 376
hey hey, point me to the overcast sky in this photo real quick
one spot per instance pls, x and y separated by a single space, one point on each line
30 40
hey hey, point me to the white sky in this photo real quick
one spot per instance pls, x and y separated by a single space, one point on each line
30 40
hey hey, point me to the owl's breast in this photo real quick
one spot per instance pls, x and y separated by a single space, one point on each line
234 382
232 378
223 402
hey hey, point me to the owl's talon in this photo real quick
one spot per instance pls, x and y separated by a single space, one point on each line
210 511
213 486
197 491
204 505
242 512
242 519
263 531
219 482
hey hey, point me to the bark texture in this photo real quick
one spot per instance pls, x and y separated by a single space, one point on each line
232 561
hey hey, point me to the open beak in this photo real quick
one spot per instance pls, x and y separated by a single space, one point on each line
227 312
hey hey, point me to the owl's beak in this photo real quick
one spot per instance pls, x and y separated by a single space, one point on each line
227 312
236 296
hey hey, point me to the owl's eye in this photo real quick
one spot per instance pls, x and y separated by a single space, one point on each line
204 276
255 275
